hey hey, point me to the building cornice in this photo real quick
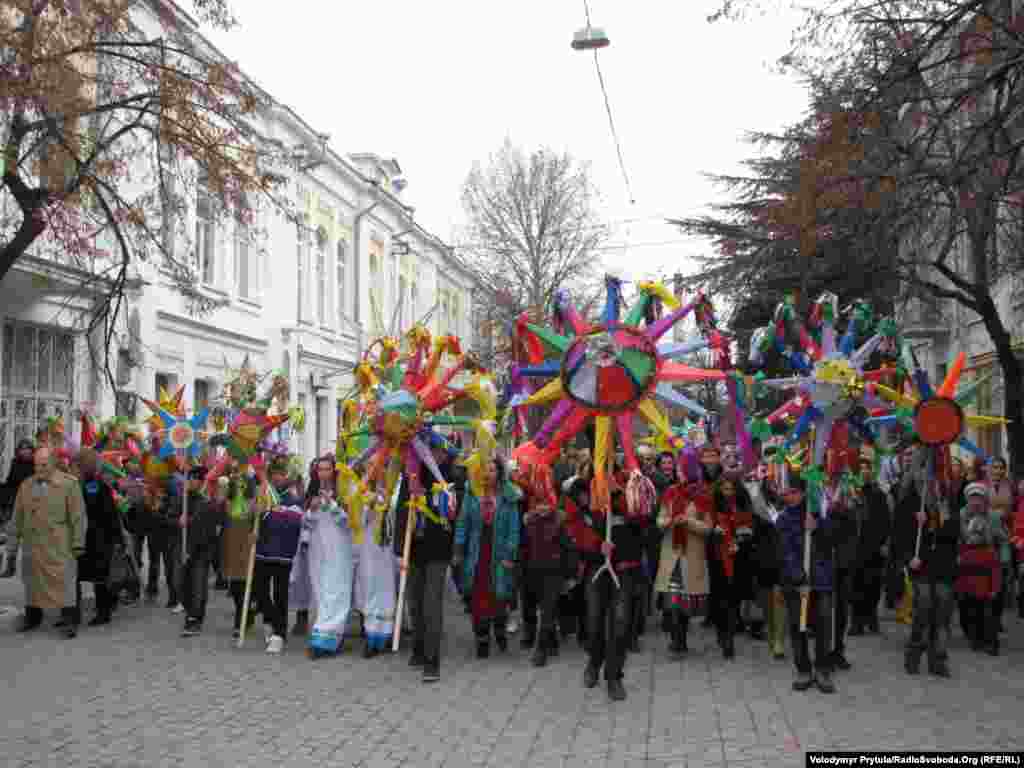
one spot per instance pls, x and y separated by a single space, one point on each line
308 355
173 322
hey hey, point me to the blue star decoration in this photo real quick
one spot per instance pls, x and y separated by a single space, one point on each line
180 431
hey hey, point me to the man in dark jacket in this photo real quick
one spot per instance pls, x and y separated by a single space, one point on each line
847 514
711 470
872 553
165 547
22 467
202 527
431 554
101 538
932 569
609 620
792 523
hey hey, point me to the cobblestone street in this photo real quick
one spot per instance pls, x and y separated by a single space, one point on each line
135 694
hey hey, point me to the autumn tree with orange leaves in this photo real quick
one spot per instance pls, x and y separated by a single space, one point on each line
917 180
111 113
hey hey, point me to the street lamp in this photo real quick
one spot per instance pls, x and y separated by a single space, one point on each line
590 39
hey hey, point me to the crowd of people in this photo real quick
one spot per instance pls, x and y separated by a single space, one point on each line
756 553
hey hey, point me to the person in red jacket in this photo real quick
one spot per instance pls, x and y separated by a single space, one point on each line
979 581
542 559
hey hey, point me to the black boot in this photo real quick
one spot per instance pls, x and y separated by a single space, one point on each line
301 628
676 646
32 619
540 655
69 626
804 680
483 641
939 668
529 637
553 648
912 661
757 630
729 649
616 691
839 661
823 679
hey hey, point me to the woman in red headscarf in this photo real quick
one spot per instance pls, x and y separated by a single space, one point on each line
685 518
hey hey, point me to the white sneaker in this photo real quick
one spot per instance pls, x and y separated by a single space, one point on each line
276 644
512 626
179 608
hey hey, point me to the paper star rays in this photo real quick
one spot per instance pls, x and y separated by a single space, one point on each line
608 373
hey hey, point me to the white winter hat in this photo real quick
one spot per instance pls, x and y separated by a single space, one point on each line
975 489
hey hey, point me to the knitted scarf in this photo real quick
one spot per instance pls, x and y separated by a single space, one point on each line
488 504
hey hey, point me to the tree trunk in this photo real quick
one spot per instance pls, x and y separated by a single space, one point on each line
30 229
1013 404
1013 381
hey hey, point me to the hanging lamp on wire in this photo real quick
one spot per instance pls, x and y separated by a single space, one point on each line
592 38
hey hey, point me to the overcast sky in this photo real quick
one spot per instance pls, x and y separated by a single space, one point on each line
439 86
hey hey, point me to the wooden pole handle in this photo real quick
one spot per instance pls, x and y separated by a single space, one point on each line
403 580
250 568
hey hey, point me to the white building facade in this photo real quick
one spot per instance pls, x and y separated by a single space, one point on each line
307 301
302 299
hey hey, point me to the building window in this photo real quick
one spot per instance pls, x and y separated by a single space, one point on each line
321 286
339 282
125 405
392 281
205 231
302 259
403 301
38 382
456 314
246 265
321 426
376 267
414 296
167 194
200 395
442 321
165 382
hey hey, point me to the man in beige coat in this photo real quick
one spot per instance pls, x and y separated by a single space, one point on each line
48 517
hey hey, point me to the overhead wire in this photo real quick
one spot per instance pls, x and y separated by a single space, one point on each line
608 109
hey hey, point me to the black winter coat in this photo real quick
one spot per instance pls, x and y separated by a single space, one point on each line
877 526
19 471
433 543
103 533
939 548
204 518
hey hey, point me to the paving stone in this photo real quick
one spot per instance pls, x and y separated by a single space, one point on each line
136 694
